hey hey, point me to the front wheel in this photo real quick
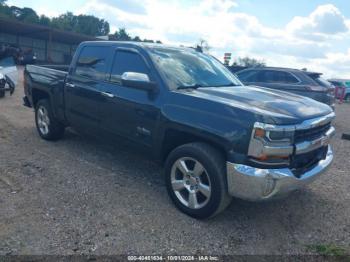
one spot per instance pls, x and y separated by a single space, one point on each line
195 177
48 127
2 93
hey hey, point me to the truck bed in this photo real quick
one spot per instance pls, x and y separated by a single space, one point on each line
63 68
48 79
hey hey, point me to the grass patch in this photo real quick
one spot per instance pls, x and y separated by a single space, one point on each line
327 250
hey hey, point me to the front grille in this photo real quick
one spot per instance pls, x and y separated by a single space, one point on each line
304 162
311 134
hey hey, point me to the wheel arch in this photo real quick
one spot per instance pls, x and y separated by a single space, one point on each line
38 94
174 138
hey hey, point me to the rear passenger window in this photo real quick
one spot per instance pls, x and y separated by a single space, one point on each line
92 62
125 61
278 77
247 76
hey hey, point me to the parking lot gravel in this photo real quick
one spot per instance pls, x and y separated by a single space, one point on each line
81 196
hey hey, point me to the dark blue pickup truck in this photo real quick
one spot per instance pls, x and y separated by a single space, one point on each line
215 137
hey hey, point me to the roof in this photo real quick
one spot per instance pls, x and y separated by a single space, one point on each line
141 44
11 26
283 69
339 80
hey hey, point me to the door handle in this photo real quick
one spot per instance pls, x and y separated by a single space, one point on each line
107 94
70 85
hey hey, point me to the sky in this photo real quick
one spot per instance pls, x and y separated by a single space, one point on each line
312 34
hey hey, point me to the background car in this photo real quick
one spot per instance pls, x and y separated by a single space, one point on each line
305 83
8 74
342 83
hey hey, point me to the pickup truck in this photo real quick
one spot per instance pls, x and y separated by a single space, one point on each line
215 137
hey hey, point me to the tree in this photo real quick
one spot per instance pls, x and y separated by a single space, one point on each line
202 46
26 14
137 39
249 62
44 20
122 35
83 24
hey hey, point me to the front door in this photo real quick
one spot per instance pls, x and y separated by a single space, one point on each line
131 112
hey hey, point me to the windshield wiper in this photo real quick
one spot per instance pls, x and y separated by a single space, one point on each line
229 84
194 86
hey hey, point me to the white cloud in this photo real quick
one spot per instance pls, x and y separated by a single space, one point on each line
315 41
324 22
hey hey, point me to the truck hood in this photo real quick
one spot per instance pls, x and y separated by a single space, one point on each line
272 105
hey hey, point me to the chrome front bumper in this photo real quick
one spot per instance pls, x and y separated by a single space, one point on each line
256 184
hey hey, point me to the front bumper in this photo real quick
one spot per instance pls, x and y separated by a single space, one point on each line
256 184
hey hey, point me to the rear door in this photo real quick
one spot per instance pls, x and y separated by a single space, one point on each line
83 87
130 112
280 80
321 90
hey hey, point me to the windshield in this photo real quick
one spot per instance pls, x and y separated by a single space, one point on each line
186 68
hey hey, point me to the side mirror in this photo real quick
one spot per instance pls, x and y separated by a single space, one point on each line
138 80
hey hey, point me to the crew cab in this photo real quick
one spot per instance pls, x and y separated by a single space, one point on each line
216 138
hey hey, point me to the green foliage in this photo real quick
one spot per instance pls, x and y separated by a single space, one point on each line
83 24
123 35
327 250
248 62
44 20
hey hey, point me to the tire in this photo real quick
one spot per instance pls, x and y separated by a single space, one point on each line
48 127
2 93
203 162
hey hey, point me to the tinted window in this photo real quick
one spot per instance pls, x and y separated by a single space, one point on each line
278 77
127 62
320 80
92 62
336 83
247 76
186 67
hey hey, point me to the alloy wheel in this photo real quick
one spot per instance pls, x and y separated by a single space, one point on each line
43 120
190 182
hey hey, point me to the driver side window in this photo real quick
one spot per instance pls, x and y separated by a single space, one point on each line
126 61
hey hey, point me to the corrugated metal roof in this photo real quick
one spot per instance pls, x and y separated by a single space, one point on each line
11 26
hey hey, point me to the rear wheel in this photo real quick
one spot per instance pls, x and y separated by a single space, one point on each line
196 180
2 93
48 127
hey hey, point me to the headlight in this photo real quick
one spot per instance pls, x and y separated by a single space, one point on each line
280 135
270 142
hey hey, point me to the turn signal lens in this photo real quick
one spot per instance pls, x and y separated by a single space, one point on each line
259 132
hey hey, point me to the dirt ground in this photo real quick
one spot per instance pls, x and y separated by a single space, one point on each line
78 196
